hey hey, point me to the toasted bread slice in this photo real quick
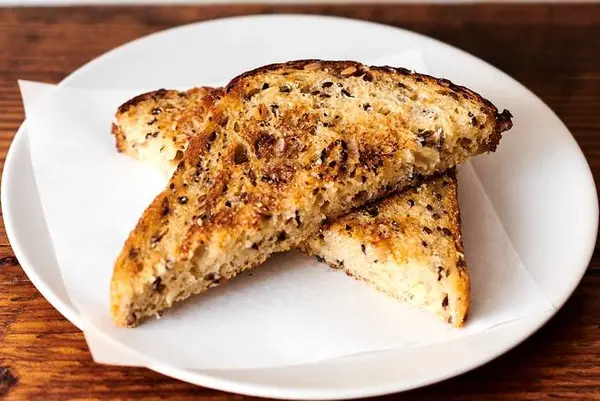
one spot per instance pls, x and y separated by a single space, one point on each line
155 125
398 245
408 245
286 147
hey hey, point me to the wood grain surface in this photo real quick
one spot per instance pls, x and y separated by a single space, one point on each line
552 49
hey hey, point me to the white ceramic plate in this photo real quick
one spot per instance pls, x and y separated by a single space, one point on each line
546 197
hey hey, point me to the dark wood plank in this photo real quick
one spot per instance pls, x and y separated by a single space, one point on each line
551 48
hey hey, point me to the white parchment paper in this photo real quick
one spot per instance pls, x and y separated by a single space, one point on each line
292 310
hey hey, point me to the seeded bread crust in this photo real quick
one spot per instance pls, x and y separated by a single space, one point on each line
285 148
408 245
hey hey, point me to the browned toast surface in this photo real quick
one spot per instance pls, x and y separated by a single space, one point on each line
156 127
408 245
400 251
285 148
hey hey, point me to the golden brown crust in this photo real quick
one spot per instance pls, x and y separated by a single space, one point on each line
120 137
148 96
503 123
462 281
284 148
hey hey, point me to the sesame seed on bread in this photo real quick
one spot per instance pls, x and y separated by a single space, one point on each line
408 245
150 128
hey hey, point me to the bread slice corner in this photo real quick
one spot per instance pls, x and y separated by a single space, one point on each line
409 246
155 127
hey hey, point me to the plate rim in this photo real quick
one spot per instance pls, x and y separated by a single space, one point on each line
211 380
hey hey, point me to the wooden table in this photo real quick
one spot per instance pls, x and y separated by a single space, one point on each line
552 49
